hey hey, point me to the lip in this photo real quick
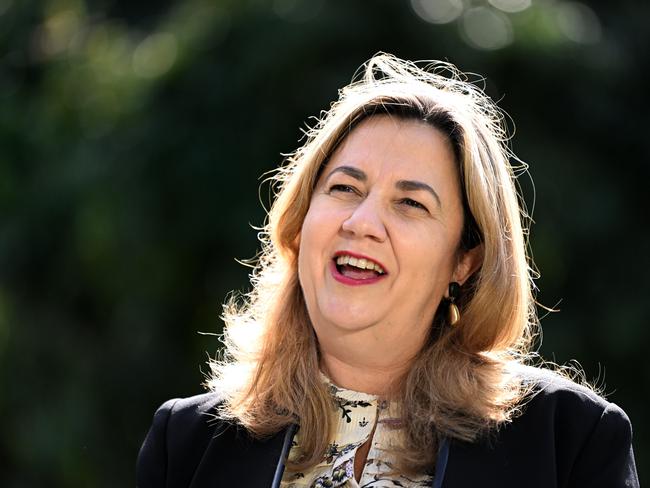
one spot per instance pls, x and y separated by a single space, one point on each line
351 281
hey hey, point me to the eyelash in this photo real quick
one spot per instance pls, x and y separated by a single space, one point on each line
412 203
409 202
343 188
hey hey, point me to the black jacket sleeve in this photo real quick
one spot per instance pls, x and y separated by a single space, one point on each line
606 459
152 459
189 447
566 437
177 441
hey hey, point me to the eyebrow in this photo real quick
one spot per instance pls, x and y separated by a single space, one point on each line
355 173
410 185
403 185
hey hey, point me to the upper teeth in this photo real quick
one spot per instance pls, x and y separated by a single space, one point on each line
359 263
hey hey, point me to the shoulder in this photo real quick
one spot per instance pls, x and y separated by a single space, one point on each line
191 411
565 435
560 396
181 430
586 433
573 410
188 444
189 421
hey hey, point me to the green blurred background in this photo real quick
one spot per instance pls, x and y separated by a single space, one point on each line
132 137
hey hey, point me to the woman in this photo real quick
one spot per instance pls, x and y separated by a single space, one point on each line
385 338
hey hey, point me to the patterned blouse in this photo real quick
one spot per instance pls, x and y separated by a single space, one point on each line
357 414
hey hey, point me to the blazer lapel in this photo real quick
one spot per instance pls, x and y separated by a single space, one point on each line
441 463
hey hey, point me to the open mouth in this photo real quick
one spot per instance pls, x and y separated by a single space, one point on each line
360 269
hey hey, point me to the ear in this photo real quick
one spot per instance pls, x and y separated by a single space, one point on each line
468 263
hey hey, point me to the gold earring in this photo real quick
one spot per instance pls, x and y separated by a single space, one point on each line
453 313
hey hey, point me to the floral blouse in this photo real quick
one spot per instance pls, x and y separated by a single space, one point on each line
357 414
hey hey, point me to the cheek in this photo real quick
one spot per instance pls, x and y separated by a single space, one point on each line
318 228
308 242
306 235
303 246
434 265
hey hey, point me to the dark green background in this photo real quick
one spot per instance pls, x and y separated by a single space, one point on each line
129 175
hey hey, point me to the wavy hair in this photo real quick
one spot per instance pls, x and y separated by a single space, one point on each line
461 384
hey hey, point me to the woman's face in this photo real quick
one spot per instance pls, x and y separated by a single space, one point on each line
379 244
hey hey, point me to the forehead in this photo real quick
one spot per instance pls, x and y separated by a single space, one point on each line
388 143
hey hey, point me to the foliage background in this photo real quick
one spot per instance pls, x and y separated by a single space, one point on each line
132 136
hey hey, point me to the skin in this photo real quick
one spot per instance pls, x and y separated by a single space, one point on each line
369 334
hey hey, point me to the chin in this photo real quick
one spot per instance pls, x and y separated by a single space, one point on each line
348 318
339 311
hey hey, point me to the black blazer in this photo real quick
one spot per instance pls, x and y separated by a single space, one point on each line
566 437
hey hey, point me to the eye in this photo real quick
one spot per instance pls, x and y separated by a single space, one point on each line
409 202
342 188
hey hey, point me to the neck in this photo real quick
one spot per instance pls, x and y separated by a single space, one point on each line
371 359
376 375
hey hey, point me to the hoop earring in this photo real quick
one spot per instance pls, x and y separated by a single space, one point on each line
453 312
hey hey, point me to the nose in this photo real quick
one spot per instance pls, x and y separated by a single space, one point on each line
366 221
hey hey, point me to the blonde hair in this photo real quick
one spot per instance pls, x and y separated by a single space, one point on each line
461 384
